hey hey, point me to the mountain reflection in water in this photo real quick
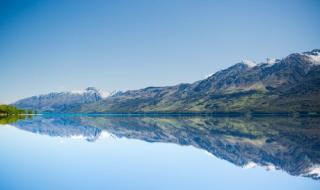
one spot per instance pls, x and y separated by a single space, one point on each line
286 143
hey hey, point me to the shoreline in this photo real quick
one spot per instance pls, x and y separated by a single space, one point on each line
213 114
174 114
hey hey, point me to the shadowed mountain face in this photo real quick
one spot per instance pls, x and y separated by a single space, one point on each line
291 84
289 144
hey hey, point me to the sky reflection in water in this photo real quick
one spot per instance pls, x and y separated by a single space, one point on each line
146 153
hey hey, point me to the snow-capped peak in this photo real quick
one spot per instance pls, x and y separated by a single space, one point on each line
102 93
271 61
314 56
115 93
249 62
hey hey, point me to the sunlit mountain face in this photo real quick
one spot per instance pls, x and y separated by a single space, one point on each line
291 144
290 84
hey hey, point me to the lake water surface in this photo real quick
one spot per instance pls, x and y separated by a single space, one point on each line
164 152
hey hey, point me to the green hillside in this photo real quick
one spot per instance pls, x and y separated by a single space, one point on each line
11 110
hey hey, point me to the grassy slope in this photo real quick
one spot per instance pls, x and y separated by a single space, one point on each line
10 110
253 101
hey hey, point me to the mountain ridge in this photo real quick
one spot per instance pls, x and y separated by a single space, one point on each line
291 84
62 100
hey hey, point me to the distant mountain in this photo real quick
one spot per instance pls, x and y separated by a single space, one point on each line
291 84
61 101
287 85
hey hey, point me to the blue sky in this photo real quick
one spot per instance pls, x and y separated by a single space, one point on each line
118 45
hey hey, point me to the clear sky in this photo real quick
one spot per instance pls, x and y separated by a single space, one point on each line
56 45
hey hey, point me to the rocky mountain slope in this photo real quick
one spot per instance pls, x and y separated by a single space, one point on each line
291 84
61 101
287 85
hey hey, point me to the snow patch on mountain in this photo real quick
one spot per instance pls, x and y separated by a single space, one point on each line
106 135
91 90
314 171
249 63
271 61
270 167
250 165
208 75
313 56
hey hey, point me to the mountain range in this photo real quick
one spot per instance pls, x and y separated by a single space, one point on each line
61 101
290 84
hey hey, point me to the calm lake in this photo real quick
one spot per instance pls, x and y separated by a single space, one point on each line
160 152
